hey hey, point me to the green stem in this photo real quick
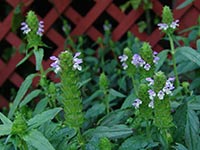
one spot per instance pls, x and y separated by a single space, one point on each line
80 139
106 102
135 86
174 60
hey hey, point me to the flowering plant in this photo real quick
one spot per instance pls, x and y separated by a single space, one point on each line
130 101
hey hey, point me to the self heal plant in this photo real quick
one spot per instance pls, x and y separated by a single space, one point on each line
71 96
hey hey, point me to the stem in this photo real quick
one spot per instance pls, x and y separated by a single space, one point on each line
174 59
80 139
106 102
135 86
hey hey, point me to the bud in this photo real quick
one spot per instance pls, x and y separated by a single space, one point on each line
103 82
159 81
167 16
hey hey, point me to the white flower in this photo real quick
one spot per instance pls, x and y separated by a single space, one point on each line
151 104
161 95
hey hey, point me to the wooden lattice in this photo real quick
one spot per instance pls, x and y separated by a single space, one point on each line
83 23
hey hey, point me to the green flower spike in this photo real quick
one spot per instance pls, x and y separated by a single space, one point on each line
167 16
146 54
33 30
162 111
71 96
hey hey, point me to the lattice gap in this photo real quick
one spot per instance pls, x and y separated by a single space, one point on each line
98 24
58 25
8 90
41 7
6 50
25 69
153 21
48 51
82 6
5 9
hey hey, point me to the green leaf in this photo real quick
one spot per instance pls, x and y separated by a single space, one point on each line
39 119
20 94
179 147
163 56
192 138
5 129
180 119
4 119
139 142
128 101
189 53
116 93
95 110
116 117
37 140
29 97
41 106
39 54
114 132
24 59
184 4
198 45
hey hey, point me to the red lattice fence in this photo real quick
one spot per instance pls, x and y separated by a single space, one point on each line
83 23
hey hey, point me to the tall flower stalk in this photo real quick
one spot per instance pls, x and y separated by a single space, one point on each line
67 65
168 26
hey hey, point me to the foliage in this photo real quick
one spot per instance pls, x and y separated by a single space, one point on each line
125 96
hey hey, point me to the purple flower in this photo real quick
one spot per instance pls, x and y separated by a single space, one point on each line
77 61
124 65
155 58
137 60
25 28
40 30
163 26
152 94
169 86
151 104
161 95
56 64
137 103
150 80
174 24
123 58
147 67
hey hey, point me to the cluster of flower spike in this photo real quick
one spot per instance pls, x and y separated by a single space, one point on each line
76 63
166 90
138 61
164 26
26 29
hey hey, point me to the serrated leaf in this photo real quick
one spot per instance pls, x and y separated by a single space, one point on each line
39 119
37 140
184 4
4 119
39 54
5 129
20 94
29 97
